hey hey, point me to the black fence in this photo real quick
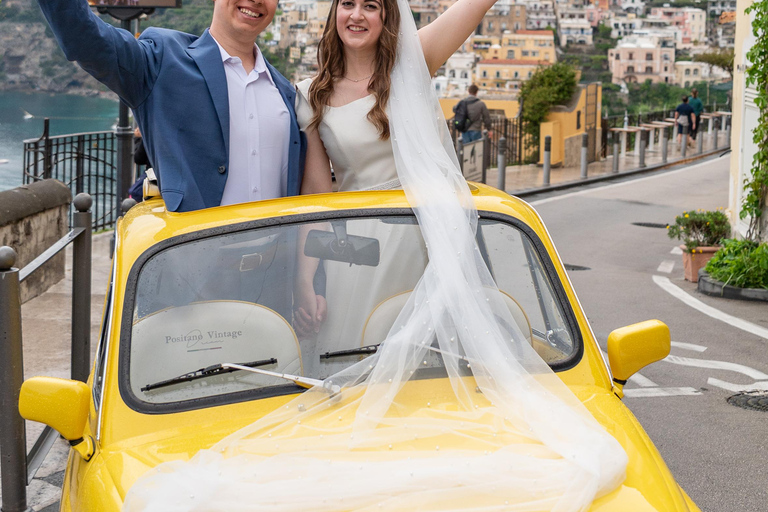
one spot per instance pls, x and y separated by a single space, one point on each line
85 162
520 146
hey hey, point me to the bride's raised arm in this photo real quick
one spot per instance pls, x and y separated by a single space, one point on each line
443 36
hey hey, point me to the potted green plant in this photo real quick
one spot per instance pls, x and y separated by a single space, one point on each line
701 232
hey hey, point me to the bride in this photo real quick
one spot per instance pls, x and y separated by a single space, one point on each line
521 440
343 112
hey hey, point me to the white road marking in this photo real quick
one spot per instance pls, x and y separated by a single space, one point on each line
624 183
689 346
666 266
716 365
656 392
676 250
678 293
737 388
642 381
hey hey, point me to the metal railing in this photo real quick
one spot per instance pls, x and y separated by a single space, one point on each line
85 162
17 467
618 121
519 144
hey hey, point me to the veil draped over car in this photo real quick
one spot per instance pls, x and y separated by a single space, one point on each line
514 438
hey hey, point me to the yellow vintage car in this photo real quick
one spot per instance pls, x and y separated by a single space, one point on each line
192 291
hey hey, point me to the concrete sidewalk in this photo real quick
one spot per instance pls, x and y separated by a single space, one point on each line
46 319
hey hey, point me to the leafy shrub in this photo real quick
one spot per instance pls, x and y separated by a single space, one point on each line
700 228
741 263
549 86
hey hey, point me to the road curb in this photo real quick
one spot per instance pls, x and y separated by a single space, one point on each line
709 286
608 177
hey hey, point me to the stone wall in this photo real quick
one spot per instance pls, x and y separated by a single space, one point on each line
32 218
572 151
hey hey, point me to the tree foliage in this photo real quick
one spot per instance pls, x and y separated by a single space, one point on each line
649 97
549 86
193 17
720 58
756 188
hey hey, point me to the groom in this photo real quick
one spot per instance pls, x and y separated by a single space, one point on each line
218 120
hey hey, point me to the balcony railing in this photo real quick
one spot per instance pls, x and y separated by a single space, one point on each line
85 162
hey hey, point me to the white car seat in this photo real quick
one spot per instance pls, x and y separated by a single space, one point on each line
183 339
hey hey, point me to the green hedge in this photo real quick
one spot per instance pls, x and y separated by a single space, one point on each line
740 263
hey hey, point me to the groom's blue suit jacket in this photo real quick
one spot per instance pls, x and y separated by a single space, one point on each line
177 88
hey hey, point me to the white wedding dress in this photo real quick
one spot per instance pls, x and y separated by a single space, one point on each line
361 161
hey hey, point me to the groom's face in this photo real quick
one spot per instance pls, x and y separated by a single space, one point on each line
243 20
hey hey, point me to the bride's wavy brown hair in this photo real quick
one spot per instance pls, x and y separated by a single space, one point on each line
330 60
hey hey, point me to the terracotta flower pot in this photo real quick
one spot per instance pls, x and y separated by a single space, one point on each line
693 261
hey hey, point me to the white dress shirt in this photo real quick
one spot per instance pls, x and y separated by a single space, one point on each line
259 133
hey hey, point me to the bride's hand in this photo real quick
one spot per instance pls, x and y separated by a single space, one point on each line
309 314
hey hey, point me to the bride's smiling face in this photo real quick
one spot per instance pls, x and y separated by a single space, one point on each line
359 23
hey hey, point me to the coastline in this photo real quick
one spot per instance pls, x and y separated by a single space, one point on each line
72 91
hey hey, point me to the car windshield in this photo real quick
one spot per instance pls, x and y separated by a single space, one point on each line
230 298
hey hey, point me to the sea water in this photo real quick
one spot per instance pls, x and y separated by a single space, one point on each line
21 117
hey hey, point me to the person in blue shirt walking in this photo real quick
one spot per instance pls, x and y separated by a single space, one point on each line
685 119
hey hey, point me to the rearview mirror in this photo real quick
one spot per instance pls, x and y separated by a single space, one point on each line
59 403
636 346
356 250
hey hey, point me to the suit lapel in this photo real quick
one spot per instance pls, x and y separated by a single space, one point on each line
284 87
205 52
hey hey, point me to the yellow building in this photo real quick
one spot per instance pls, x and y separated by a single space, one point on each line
505 74
746 116
323 9
520 45
315 29
509 107
567 124
529 44
486 46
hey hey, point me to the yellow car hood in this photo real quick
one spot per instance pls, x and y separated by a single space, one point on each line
649 486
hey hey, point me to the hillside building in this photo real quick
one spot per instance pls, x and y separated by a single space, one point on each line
691 23
637 59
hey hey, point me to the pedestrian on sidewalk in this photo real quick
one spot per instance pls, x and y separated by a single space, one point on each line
698 108
471 115
684 117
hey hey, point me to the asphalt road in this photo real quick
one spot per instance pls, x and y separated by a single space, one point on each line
717 452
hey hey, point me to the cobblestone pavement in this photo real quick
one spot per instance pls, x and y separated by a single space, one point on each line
45 318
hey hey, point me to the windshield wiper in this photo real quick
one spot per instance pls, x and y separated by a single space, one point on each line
304 382
372 349
369 349
215 369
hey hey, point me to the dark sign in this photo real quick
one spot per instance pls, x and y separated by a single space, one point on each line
135 4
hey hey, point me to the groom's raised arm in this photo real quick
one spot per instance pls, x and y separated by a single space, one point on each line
111 55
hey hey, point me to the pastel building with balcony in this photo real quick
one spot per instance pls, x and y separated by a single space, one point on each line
638 59
691 23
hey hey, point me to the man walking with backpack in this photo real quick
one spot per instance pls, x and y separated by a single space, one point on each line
470 116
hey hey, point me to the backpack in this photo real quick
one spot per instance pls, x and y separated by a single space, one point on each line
461 118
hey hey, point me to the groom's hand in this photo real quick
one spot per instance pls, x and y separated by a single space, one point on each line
309 316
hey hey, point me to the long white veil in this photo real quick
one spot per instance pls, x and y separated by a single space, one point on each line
516 439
